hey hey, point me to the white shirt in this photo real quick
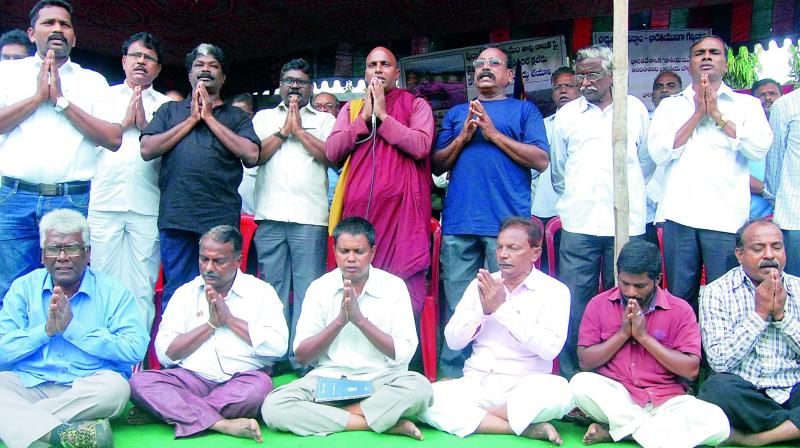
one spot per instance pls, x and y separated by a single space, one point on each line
783 161
292 186
522 337
225 353
706 181
582 161
124 181
384 301
46 147
545 198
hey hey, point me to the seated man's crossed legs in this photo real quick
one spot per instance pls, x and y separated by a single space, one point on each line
500 404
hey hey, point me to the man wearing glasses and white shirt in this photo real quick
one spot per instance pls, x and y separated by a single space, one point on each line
489 146
291 193
123 210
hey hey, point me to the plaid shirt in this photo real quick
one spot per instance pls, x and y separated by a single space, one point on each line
737 340
783 160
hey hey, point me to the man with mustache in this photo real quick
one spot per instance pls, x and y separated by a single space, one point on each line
583 174
543 204
489 146
48 134
517 321
751 335
215 338
123 209
762 200
69 338
639 344
387 139
292 192
704 137
202 143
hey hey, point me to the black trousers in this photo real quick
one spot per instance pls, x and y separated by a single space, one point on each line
749 410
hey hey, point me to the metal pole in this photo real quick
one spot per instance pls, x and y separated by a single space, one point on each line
619 133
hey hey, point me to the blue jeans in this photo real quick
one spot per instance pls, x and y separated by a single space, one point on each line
20 213
791 242
462 256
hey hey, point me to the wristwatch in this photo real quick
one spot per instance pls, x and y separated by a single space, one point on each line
723 120
280 135
61 103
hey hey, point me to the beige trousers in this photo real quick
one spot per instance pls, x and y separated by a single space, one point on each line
29 413
291 407
682 421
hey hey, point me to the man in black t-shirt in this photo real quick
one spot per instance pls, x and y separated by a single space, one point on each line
202 143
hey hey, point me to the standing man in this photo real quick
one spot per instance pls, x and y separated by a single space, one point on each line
69 337
544 197
327 102
706 125
215 337
666 84
202 143
44 99
489 145
783 174
517 319
639 345
292 192
123 209
762 200
583 174
749 319
387 138
767 91
356 324
14 44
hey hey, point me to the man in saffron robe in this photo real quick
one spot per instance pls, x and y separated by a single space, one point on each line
388 176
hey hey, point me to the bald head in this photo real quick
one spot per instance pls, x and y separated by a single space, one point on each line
382 64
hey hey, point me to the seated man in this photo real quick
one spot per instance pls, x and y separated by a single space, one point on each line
357 323
216 333
518 321
69 337
751 334
644 343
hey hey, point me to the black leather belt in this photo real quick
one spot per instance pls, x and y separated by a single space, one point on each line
77 187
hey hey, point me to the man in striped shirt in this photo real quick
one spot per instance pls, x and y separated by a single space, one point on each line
750 321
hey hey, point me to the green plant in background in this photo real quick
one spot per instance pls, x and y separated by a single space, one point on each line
743 68
794 64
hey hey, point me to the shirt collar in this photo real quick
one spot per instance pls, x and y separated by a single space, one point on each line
127 89
741 280
584 105
371 287
66 66
724 90
282 106
237 288
87 282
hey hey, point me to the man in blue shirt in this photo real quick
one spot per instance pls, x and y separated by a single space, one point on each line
489 145
69 337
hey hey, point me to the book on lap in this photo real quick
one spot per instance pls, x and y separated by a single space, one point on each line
341 389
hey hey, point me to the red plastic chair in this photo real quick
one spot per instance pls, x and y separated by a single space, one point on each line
664 285
247 225
553 227
429 319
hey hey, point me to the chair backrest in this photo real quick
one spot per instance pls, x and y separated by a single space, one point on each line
538 262
660 234
436 231
553 226
247 225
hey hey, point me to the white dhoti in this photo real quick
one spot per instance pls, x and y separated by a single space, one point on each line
682 421
460 405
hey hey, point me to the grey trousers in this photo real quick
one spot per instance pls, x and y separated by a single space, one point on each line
29 413
291 407
462 256
290 257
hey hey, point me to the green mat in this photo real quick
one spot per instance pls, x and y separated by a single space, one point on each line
162 435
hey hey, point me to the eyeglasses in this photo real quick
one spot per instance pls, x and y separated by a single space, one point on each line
138 55
324 107
71 250
300 82
589 76
493 62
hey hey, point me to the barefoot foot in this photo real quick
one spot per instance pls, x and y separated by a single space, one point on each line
543 431
239 427
596 433
406 428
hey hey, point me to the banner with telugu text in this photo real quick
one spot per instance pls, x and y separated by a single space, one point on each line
651 51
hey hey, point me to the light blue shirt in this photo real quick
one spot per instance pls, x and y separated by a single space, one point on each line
106 332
